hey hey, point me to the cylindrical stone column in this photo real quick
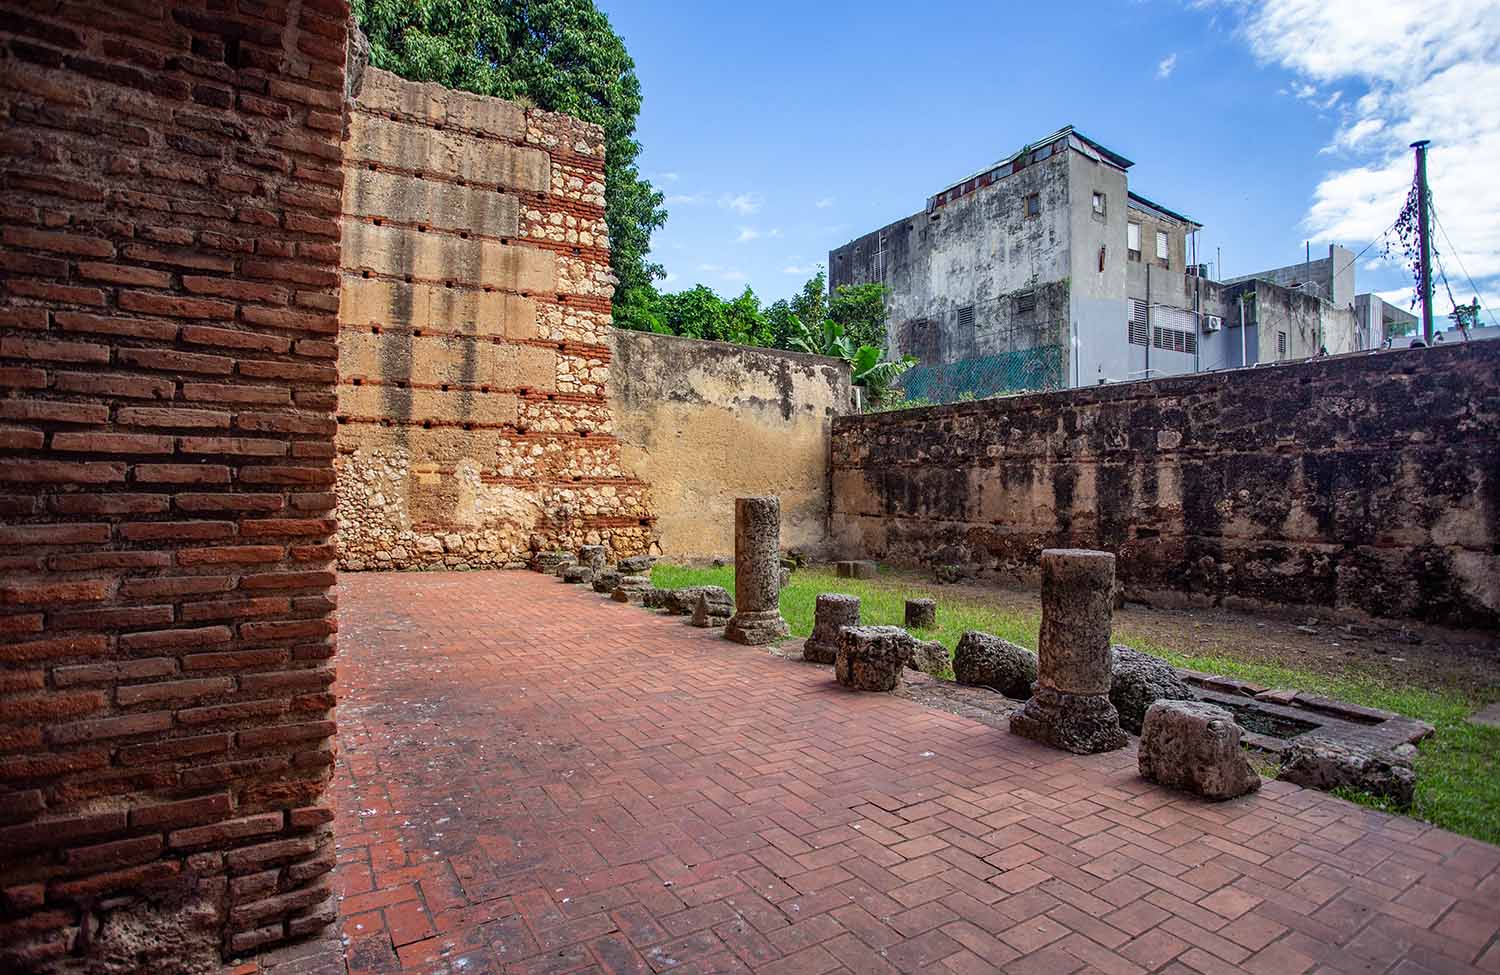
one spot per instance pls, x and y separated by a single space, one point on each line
1070 707
921 614
757 572
835 610
1077 612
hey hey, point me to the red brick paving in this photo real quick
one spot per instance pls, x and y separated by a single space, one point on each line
533 779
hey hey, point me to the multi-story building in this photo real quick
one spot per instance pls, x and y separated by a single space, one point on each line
1044 270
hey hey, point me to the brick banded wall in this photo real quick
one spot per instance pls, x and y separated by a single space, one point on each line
474 336
1367 483
169 198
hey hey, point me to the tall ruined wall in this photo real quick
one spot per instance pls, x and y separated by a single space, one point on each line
706 422
1368 483
473 343
168 281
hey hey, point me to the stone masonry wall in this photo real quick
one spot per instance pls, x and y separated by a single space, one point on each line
473 348
169 200
706 422
1367 483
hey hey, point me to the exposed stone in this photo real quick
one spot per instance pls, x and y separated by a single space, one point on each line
855 569
871 658
783 578
834 611
606 581
1070 708
577 574
631 589
1195 747
637 564
655 598
594 557
551 563
921 614
714 607
680 602
1322 763
948 573
757 540
1141 680
984 660
930 657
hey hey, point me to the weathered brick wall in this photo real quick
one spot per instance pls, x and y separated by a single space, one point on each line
474 426
1368 483
168 288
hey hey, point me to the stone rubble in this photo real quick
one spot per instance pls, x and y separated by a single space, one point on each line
1195 747
631 589
714 607
606 581
930 657
871 658
1322 763
577 574
1139 681
855 569
921 614
983 660
834 611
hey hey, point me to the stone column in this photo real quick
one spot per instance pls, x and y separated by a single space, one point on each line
757 572
1070 708
834 611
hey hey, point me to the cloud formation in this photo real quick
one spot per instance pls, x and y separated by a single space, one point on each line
1166 66
742 203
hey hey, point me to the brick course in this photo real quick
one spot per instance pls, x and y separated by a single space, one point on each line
169 183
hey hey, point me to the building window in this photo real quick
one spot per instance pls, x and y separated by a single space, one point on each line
1137 325
1174 340
1281 345
1161 245
1033 205
1133 240
1026 301
1099 203
966 317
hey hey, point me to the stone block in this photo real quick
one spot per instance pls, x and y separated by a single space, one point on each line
871 658
855 569
930 657
637 564
681 602
631 589
549 563
596 557
430 203
578 574
1139 681
982 660
921 614
397 304
606 580
1322 763
1195 747
833 612
421 149
417 405
384 93
714 607
400 252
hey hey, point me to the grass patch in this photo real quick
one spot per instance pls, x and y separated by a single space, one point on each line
1458 768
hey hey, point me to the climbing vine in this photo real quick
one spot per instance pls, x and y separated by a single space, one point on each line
1406 236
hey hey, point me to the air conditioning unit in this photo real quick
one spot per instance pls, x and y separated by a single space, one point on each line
1212 323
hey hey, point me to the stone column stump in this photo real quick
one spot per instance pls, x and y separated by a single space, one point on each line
578 574
855 569
1195 747
1070 707
921 614
714 607
757 572
605 581
835 610
871 658
594 557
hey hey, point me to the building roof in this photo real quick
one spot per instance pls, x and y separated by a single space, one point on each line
1141 202
1074 138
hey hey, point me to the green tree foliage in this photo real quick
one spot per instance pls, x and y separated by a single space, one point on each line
559 55
860 309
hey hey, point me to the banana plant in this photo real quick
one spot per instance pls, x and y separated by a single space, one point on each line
876 374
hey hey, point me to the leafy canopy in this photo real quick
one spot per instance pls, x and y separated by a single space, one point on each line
559 55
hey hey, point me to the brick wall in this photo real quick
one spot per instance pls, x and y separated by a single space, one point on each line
473 422
168 292
1368 483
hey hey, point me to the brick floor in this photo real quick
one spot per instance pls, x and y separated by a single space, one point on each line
535 780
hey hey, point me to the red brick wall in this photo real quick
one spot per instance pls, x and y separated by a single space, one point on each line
169 200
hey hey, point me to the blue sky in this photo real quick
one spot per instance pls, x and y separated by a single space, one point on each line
780 130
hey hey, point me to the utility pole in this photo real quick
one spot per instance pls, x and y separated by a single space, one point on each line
1424 233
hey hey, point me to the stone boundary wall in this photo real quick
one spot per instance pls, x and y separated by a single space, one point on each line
169 202
706 422
1367 483
474 336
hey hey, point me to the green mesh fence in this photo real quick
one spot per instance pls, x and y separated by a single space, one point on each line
1036 369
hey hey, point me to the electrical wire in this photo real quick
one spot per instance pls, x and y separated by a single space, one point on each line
1458 257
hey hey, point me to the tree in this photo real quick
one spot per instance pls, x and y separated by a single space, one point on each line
860 308
559 55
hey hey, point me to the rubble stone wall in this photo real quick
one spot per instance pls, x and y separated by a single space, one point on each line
707 422
474 426
1367 483
169 201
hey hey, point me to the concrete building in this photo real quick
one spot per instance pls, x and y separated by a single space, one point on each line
1376 320
1044 270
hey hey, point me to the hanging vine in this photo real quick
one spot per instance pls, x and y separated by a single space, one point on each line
1406 236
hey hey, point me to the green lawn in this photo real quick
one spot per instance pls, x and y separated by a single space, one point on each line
1458 768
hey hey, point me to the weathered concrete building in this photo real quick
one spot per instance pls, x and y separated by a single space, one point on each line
1044 270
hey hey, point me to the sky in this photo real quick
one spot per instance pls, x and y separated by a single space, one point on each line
781 130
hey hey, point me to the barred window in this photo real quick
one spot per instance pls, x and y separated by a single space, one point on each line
1026 300
966 317
1137 325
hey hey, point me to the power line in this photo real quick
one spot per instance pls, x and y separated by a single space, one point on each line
1355 259
1458 257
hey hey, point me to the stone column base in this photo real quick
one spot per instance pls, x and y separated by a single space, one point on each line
1083 724
755 629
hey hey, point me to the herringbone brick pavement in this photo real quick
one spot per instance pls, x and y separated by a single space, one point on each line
533 779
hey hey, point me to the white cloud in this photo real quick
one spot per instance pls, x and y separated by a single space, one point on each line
734 276
685 199
800 269
747 234
1166 66
742 203
710 268
1429 71
666 178
824 203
